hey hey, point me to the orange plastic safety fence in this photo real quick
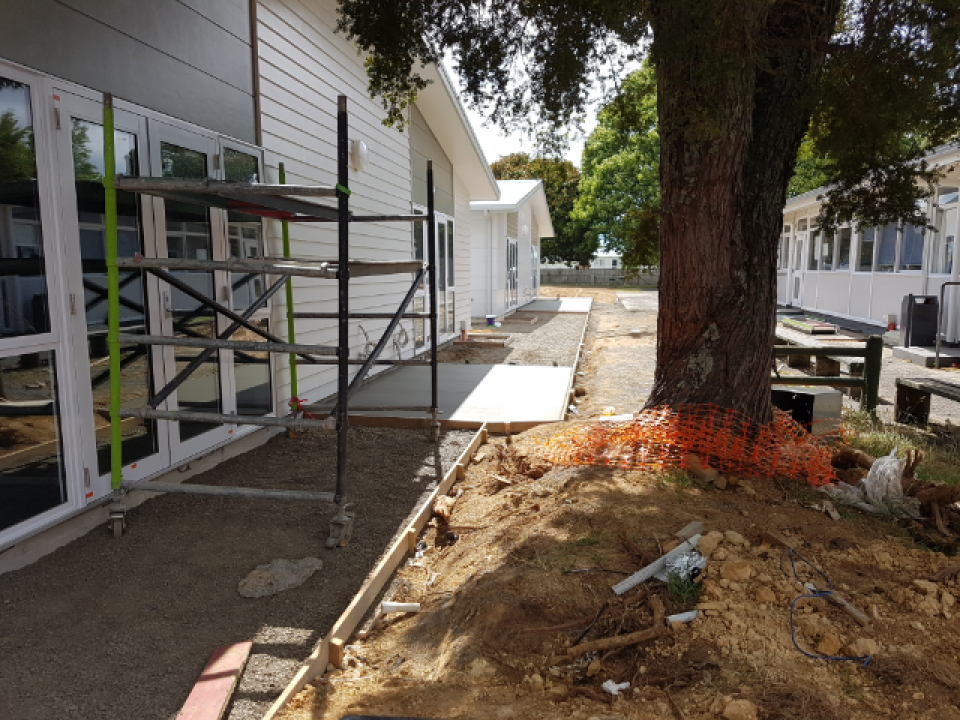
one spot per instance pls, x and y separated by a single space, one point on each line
722 438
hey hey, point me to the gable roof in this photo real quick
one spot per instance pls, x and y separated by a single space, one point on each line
516 193
440 106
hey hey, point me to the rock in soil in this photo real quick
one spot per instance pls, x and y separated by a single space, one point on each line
277 576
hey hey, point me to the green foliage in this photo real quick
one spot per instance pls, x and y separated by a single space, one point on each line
560 184
886 96
683 593
83 167
16 150
619 203
810 171
878 78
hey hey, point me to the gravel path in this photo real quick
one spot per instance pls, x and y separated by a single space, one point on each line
105 629
551 340
619 367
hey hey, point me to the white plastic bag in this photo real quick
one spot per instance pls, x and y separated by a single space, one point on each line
881 491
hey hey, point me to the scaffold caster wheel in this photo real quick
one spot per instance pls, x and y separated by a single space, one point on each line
118 523
341 529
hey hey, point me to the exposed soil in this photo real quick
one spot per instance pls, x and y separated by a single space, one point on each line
528 560
107 629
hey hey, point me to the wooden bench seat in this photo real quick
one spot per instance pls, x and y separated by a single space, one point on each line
824 365
912 403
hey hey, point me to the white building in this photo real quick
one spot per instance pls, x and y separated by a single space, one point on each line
505 247
863 273
227 89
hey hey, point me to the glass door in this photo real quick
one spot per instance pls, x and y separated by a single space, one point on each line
446 279
80 157
249 373
512 275
799 240
35 396
189 231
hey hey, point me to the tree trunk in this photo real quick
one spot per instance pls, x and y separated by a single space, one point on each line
733 106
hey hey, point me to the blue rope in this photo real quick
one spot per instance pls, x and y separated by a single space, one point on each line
814 594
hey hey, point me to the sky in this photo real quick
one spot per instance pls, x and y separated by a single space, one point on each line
495 145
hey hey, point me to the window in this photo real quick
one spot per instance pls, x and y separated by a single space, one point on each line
32 477
843 249
613 262
941 254
139 441
947 195
23 284
813 249
911 254
826 250
189 235
868 237
802 226
887 255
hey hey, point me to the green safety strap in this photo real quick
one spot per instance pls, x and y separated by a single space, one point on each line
341 188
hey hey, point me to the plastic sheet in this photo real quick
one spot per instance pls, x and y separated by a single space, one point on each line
881 491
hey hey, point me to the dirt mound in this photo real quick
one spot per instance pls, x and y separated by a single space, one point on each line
523 571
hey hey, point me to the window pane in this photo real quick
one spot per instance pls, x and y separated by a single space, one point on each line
189 236
31 469
947 195
244 231
888 248
442 259
911 255
943 243
240 167
826 250
843 251
802 226
419 326
450 255
136 375
252 370
23 286
868 237
813 250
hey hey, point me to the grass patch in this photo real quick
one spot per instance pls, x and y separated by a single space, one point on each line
683 593
940 444
587 541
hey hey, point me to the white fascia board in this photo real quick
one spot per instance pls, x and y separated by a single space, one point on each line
536 196
441 108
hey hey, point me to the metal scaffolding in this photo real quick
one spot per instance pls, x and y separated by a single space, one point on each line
286 203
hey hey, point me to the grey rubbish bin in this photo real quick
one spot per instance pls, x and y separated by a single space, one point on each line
919 320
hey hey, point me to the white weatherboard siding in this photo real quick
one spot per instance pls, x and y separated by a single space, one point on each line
479 264
462 250
304 66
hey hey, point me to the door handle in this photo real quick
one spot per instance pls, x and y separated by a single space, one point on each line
167 304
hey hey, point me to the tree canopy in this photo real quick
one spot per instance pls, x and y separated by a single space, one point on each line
619 202
739 84
561 180
886 71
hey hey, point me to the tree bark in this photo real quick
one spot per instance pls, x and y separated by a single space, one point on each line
733 107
